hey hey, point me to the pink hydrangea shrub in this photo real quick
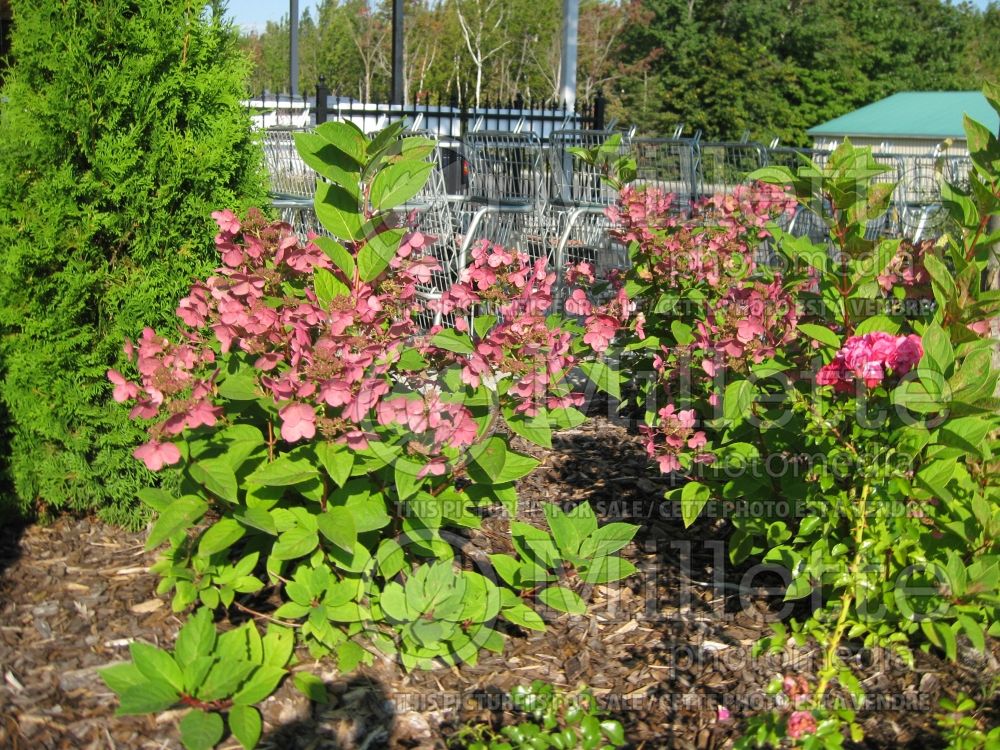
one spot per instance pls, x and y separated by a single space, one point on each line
330 367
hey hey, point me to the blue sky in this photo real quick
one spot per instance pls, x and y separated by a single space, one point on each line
256 13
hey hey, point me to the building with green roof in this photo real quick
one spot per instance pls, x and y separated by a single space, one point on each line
912 123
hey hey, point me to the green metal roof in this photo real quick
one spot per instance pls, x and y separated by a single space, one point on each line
914 114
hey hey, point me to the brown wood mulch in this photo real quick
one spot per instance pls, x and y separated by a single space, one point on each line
662 651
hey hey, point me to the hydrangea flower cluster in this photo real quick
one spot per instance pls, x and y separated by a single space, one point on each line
869 358
711 248
801 723
705 267
602 321
330 365
747 324
672 437
523 344
640 211
326 366
749 207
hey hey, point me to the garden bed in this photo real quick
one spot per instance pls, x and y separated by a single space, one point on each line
663 651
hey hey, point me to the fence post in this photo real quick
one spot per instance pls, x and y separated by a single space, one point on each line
599 104
463 117
322 92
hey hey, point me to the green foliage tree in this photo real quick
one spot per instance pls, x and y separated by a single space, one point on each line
773 67
121 132
777 67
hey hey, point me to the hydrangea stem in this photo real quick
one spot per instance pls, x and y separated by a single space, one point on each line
846 599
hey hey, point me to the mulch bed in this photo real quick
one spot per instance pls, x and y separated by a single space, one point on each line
662 650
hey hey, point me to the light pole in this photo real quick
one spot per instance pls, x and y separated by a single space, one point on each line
567 77
293 45
397 51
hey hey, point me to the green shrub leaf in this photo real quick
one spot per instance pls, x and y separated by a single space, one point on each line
182 514
156 665
282 472
563 599
377 253
821 334
246 725
338 212
201 730
312 687
337 525
397 183
196 638
147 698
222 535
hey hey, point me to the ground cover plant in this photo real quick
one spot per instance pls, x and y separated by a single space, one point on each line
790 375
117 140
331 451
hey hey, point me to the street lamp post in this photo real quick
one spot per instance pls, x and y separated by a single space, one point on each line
397 51
567 77
293 45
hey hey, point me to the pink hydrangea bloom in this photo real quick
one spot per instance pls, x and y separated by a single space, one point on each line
297 421
801 723
909 350
578 304
227 221
156 455
124 390
869 358
673 436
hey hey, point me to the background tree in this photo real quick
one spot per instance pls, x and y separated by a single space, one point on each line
773 67
484 34
122 131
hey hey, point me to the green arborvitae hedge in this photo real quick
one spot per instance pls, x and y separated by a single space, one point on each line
120 132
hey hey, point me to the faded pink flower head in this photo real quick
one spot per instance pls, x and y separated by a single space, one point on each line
801 723
227 221
156 455
796 687
578 304
297 421
124 390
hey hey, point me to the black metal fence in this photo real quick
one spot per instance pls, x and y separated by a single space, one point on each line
449 117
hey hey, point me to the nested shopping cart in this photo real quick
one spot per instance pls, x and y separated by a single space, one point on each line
805 221
671 165
578 199
722 165
292 181
505 198
921 207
